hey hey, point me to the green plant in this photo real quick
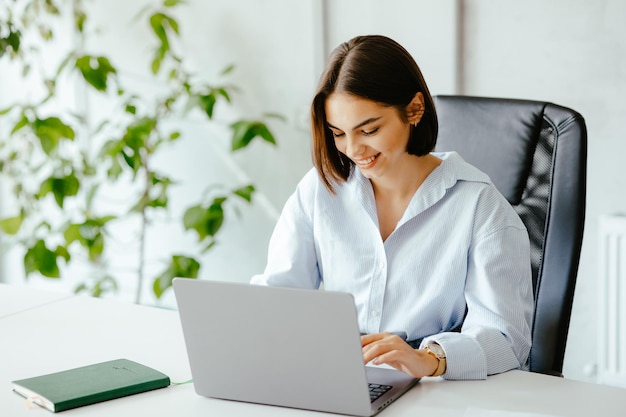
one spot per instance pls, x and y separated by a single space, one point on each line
48 157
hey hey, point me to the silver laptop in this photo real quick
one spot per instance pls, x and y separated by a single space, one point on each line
281 346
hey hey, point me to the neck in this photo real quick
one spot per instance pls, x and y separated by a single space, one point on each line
408 179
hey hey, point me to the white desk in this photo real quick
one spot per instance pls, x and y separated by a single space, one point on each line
77 331
14 299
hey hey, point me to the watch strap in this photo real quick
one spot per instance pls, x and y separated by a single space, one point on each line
441 368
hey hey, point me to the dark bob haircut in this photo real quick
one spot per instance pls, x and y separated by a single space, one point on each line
375 68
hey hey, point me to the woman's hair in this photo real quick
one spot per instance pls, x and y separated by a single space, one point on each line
375 68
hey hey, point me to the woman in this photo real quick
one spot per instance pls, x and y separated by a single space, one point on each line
437 260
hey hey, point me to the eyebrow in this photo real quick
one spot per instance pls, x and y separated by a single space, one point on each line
363 123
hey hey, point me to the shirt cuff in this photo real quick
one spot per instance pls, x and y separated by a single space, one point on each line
465 359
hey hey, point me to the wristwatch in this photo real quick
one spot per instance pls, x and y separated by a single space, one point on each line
436 351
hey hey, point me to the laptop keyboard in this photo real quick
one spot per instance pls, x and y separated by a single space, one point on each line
376 390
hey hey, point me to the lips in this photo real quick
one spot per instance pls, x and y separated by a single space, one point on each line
367 161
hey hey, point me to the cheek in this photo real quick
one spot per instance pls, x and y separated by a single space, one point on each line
340 145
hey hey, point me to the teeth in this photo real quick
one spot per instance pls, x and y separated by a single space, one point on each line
366 161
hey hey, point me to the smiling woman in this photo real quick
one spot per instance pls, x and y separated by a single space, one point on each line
423 241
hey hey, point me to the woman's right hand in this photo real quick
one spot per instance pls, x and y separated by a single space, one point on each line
392 350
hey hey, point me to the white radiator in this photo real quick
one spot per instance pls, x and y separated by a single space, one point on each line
612 301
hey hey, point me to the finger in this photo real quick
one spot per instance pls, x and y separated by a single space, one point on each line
381 346
374 337
366 339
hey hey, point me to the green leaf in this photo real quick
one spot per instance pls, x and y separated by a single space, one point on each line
245 192
156 62
102 285
72 234
64 64
263 131
138 134
228 69
50 131
11 225
105 284
11 42
206 221
156 22
277 116
20 124
207 103
61 252
79 20
64 187
171 3
173 24
193 216
90 234
61 188
209 246
96 247
130 161
224 93
242 134
214 218
179 266
115 170
41 259
95 70
245 131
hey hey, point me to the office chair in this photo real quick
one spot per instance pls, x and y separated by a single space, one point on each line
536 155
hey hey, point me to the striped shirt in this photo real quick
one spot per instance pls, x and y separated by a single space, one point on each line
460 252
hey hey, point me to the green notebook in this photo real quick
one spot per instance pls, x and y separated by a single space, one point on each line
90 384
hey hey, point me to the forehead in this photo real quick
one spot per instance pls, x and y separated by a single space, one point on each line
345 111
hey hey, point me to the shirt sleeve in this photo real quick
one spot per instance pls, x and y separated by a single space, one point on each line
496 333
291 258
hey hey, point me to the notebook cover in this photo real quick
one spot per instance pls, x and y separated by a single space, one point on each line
90 384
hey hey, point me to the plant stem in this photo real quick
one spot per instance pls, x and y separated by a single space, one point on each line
142 255
143 229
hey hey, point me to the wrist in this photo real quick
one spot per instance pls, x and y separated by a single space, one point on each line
436 351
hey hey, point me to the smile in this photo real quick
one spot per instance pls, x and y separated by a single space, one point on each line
365 162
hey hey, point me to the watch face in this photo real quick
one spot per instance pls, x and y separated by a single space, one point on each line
437 349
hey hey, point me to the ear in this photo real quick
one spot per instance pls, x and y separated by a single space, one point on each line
415 109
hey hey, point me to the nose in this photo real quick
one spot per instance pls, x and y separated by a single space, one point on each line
353 146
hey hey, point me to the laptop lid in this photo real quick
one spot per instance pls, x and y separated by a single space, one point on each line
279 346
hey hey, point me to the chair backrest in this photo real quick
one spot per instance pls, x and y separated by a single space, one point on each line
536 155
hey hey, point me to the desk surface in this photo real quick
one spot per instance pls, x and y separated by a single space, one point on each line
15 299
65 333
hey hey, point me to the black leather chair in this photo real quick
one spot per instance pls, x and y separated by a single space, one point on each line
535 154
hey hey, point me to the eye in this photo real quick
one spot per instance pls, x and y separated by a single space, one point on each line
370 132
337 134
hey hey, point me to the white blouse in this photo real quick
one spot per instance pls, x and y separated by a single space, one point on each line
459 248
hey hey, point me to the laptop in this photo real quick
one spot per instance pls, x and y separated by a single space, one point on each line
281 346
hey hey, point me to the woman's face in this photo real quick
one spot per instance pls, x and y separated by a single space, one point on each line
373 136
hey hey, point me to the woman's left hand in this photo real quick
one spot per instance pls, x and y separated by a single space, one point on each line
390 349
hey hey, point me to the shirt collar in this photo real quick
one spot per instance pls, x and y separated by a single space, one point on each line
451 170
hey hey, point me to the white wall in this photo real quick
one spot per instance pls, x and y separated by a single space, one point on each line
571 52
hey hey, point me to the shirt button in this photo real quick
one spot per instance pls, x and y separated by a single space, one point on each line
375 313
